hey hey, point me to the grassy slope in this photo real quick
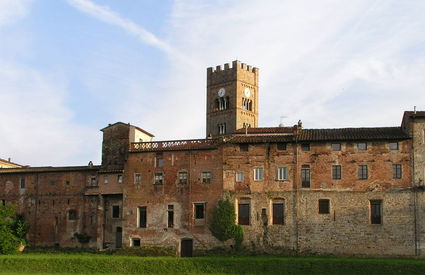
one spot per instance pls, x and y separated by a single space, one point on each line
104 264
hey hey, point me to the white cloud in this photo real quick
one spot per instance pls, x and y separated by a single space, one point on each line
13 10
106 15
36 126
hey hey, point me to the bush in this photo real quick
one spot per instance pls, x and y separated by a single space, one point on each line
223 225
145 251
13 229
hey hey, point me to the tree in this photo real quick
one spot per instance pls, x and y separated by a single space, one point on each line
13 229
223 225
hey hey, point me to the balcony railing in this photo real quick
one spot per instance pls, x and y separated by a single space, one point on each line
173 145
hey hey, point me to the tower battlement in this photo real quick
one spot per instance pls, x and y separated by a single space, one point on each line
229 72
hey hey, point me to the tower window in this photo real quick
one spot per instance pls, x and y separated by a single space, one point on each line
247 104
221 128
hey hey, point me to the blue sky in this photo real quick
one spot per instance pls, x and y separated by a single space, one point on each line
70 67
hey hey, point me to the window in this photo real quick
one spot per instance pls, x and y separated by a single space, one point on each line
105 180
72 215
324 206
3 202
305 146
246 104
376 211
170 223
336 172
206 177
305 176
67 182
362 146
93 181
397 171
119 179
393 145
281 146
221 128
142 216
183 177
278 213
115 211
258 174
22 183
243 147
282 173
243 213
136 242
137 178
239 176
222 103
199 211
362 172
159 178
336 146
159 161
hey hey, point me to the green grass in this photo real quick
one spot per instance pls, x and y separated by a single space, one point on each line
107 264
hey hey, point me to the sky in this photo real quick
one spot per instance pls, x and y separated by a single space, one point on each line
68 68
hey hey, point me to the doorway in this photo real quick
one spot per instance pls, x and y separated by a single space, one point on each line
186 248
118 237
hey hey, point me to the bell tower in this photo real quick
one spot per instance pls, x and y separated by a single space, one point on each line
232 98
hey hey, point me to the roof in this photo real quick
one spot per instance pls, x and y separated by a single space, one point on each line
266 130
261 138
48 169
377 133
127 124
7 161
415 114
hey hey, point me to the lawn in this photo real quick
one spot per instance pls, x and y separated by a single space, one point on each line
112 264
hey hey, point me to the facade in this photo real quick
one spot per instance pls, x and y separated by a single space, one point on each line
349 191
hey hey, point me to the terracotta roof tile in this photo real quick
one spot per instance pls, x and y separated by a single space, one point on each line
379 133
266 130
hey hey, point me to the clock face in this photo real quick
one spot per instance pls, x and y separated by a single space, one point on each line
247 92
221 92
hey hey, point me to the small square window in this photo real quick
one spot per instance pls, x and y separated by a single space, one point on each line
239 176
206 177
183 177
394 146
305 146
281 146
259 174
362 146
244 147
93 181
159 178
336 146
324 206
136 242
72 215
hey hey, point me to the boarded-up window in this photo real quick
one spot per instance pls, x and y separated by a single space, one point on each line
324 206
142 216
115 211
376 211
170 216
199 211
243 213
278 213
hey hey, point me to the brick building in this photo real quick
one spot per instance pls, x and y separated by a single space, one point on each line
350 191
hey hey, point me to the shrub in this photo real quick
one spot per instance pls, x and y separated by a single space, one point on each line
13 229
223 225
